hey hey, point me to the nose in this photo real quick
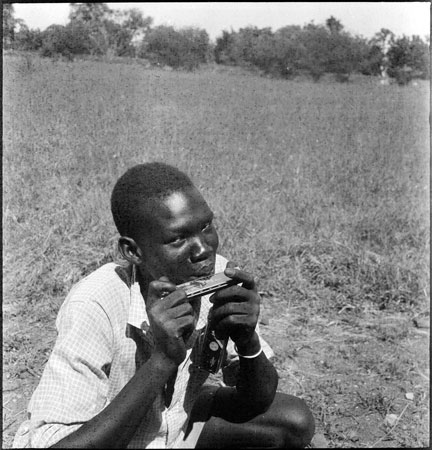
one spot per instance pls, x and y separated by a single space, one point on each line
200 249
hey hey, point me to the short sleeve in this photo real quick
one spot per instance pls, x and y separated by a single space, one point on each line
74 385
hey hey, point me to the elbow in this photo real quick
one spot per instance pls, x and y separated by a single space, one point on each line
269 391
258 408
260 403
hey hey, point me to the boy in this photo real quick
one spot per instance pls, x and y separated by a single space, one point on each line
123 371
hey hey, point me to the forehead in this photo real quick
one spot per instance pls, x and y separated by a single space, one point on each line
179 209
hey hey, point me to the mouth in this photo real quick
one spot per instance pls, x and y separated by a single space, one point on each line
203 272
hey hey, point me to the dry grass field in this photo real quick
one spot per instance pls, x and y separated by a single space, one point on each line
321 190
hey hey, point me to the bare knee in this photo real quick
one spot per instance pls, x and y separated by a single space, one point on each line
288 423
293 421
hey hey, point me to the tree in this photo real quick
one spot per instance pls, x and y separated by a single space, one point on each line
264 54
134 21
118 40
334 25
315 42
318 49
8 25
28 39
93 18
408 58
289 50
184 48
276 53
329 49
250 46
126 31
112 32
420 57
243 51
372 59
54 41
344 55
223 48
253 47
92 14
383 39
72 39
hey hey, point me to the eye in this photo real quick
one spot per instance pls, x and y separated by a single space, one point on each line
177 241
207 226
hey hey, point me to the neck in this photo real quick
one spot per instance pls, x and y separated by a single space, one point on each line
144 279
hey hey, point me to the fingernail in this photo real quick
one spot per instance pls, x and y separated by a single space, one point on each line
229 272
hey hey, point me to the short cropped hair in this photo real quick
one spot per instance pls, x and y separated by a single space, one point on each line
137 186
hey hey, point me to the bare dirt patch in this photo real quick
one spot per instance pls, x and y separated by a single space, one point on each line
355 373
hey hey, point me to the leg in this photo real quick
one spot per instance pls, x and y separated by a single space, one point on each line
288 423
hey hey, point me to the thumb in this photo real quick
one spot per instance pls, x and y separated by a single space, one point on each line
158 289
231 265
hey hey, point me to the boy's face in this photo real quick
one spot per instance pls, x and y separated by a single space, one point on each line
178 240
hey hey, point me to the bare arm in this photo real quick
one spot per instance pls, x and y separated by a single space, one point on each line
115 425
235 314
254 392
170 318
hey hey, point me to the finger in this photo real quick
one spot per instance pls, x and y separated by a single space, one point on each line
184 309
161 286
158 289
231 293
242 277
184 325
164 295
231 309
230 323
173 299
221 334
231 265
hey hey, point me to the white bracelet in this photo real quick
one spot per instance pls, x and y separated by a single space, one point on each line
249 356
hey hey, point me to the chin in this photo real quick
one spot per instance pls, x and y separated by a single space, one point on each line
204 270
208 273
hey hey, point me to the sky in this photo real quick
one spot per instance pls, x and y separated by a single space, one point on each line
359 18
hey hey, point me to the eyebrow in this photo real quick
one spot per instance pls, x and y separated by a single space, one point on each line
182 227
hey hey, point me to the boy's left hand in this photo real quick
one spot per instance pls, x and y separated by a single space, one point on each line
236 308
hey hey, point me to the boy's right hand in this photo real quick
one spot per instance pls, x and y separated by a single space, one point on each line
171 317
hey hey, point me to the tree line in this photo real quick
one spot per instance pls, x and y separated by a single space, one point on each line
313 49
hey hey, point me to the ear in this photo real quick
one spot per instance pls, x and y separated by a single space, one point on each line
130 250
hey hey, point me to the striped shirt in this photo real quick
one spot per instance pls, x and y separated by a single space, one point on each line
103 338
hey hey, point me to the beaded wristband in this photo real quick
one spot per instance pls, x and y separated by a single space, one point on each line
249 356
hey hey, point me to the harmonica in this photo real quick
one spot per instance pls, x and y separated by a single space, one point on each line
206 285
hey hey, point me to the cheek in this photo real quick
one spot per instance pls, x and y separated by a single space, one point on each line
213 240
157 259
173 256
164 263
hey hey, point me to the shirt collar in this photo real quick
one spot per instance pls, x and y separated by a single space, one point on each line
137 310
